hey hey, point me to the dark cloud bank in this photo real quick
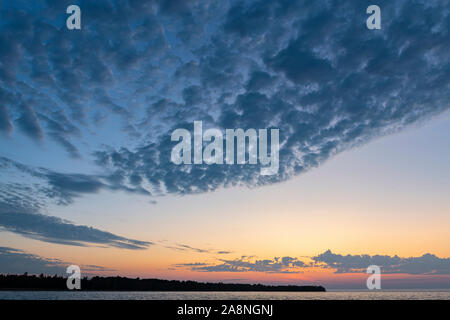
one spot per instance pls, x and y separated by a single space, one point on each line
310 68
427 264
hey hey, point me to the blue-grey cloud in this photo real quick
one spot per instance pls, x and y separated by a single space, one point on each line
62 188
56 230
5 123
188 248
244 264
224 252
28 122
21 206
17 261
426 264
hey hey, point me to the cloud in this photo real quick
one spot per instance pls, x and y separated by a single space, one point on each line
21 206
61 130
55 230
427 264
185 247
245 264
224 252
63 188
16 261
5 123
195 264
29 123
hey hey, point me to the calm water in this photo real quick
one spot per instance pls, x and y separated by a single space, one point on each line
337 295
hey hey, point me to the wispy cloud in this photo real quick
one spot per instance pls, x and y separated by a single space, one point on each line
21 206
18 261
224 252
188 248
55 230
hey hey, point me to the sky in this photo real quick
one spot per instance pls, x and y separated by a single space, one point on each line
86 118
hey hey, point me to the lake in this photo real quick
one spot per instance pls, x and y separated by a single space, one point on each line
122 295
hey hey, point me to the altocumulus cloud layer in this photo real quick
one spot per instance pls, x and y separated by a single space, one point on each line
112 92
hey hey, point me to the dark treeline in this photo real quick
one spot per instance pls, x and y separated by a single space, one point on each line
43 282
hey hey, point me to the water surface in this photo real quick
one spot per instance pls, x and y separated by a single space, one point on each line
139 295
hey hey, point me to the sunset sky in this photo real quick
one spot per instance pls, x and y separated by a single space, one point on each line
86 117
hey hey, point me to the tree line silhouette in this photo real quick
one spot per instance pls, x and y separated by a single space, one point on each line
47 282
